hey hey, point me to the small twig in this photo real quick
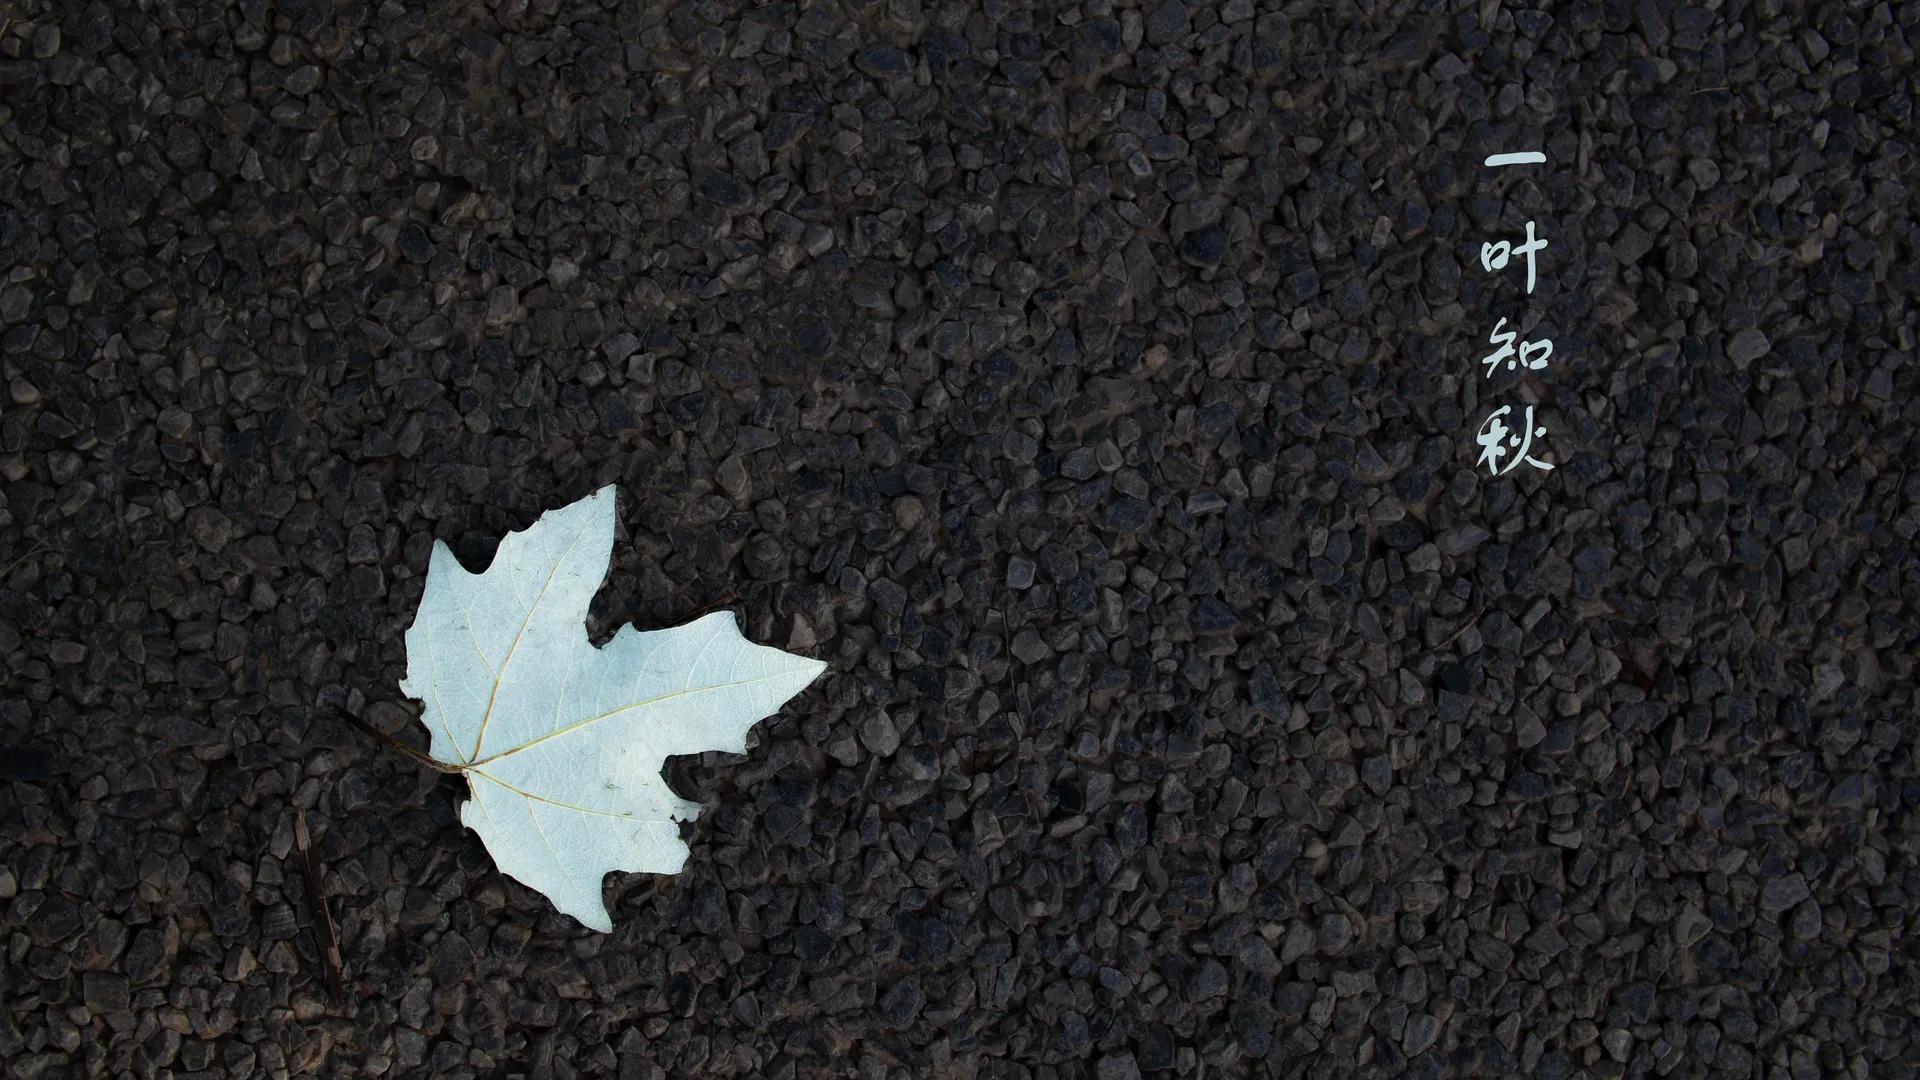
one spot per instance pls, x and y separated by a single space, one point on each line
392 743
1455 636
729 598
38 547
325 931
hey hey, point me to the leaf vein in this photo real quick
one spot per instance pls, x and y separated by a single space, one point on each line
551 850
694 668
571 728
439 704
500 676
523 793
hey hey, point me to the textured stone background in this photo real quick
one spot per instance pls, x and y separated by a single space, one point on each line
1094 388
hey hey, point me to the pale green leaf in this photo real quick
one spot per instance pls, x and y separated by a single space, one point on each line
562 743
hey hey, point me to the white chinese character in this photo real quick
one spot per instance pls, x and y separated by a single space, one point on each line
1524 157
1532 353
1493 433
1494 256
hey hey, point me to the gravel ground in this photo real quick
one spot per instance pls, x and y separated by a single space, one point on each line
1094 387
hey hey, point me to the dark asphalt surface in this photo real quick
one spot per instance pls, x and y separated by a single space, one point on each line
1095 389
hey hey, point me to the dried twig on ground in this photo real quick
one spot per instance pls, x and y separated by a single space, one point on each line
329 938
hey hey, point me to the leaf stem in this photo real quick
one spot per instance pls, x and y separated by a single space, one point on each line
392 743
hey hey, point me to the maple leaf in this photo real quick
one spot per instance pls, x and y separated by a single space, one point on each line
562 743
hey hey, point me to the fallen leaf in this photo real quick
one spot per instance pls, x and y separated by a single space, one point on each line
562 743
